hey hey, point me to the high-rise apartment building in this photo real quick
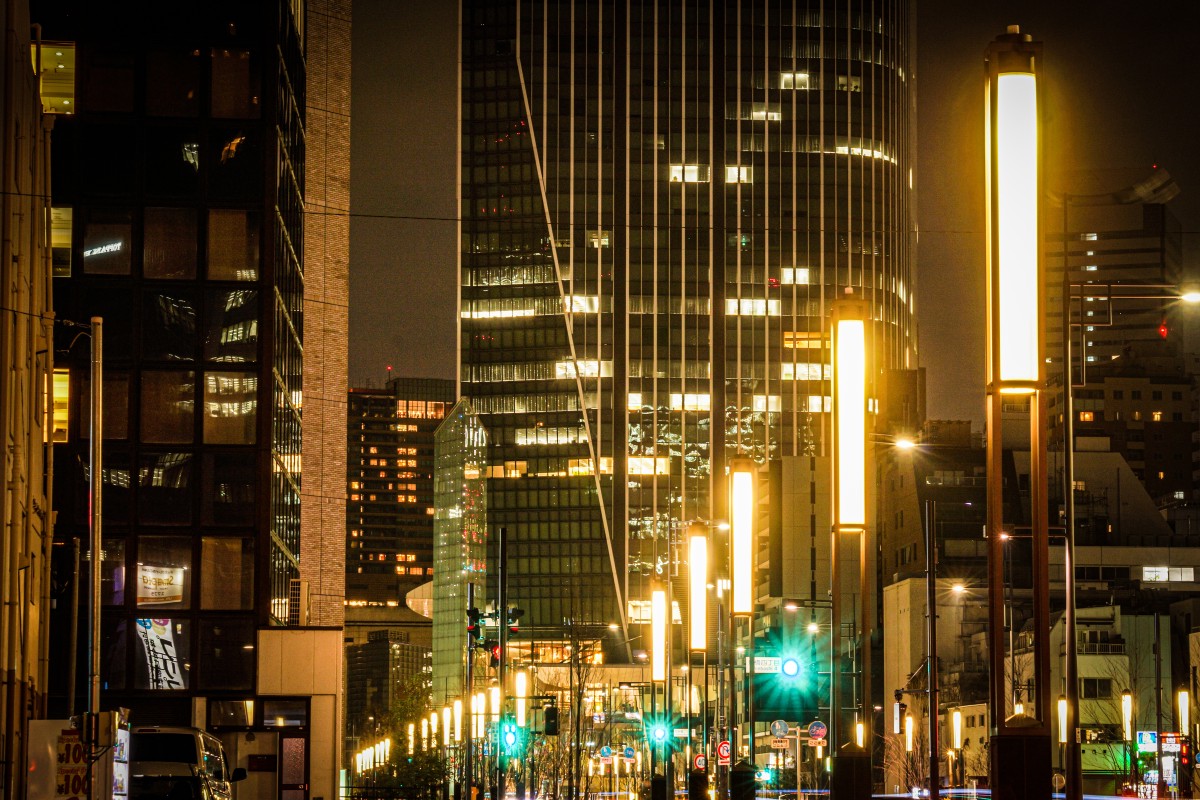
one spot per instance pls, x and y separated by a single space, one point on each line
660 202
193 141
389 509
31 412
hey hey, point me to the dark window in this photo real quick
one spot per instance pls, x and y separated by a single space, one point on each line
110 159
168 400
165 488
172 162
235 164
236 86
226 573
169 326
233 244
169 243
227 654
109 85
107 238
173 83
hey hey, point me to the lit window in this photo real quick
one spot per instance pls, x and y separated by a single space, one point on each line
57 60
689 173
804 371
793 80
792 275
737 174
634 403
750 307
767 113
690 402
851 83
818 404
60 240
1155 574
1086 416
771 403
649 465
1156 416
803 340
589 368
598 239
59 407
1179 496
1161 475
584 304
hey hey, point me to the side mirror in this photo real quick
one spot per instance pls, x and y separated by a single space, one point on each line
239 774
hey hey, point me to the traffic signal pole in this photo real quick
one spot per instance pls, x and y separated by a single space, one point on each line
502 620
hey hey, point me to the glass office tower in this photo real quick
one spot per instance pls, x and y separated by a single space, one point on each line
659 203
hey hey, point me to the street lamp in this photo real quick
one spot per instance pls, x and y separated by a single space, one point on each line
1019 754
850 379
741 543
1127 730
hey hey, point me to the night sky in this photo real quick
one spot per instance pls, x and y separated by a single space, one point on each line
1120 96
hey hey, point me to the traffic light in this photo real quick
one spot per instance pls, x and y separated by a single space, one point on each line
474 628
763 775
550 721
510 737
790 693
514 615
495 654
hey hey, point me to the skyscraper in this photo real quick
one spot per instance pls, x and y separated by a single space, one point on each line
389 513
659 203
181 180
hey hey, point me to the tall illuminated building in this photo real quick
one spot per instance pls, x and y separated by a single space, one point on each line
200 198
659 203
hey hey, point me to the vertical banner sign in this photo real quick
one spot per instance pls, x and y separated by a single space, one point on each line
71 770
162 662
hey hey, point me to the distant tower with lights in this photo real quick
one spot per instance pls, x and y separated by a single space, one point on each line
659 205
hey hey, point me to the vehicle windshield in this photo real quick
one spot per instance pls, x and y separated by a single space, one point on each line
176 747
147 787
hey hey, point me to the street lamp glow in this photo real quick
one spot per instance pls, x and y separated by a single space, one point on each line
446 726
904 443
412 730
850 415
1016 197
698 596
1062 719
658 630
522 687
1183 699
1127 715
956 729
859 733
458 709
742 481
495 692
1190 297
908 733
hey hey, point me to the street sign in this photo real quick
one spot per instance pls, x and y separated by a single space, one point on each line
629 754
779 728
605 760
767 665
723 751
779 744
682 733
1147 741
700 762
817 729
606 752
814 742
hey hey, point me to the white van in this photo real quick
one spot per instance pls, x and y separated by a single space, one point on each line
187 763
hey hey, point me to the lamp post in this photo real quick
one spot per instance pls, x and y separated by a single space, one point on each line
741 601
1020 746
1127 731
698 619
852 776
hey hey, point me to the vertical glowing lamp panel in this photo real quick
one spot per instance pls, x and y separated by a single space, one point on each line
850 398
698 591
658 630
742 533
1016 175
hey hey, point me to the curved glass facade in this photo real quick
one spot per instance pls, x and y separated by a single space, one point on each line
659 203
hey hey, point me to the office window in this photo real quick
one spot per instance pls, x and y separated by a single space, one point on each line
164 571
106 242
169 243
165 488
226 654
1086 416
233 244
689 173
173 83
169 325
109 82
795 275
231 330
57 61
59 406
236 87
230 489
61 239
736 174
230 407
168 405
1156 416
172 160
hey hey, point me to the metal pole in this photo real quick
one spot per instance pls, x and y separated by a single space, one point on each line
1158 727
868 710
502 620
96 540
835 647
73 644
931 658
1072 765
468 778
